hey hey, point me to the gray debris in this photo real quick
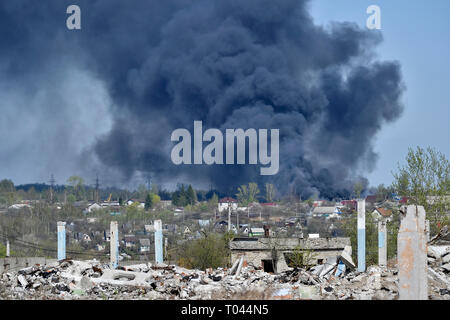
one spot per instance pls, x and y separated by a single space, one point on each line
71 279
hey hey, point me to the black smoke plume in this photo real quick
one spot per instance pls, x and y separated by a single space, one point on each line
230 63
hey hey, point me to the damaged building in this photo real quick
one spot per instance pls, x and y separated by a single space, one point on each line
274 254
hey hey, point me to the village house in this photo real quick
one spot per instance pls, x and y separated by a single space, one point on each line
382 213
324 211
129 240
224 203
106 236
149 228
372 199
91 208
186 231
256 232
178 211
351 204
144 245
86 238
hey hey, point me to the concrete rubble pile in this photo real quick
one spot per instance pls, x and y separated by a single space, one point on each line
439 269
337 278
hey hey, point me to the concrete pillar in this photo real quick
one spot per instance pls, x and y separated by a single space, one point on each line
382 243
412 254
158 241
361 235
8 253
114 244
61 228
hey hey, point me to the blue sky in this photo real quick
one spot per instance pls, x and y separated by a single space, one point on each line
416 33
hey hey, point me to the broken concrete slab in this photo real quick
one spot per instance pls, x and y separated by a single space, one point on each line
21 279
438 252
347 260
446 267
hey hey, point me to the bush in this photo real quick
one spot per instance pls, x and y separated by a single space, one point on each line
210 252
301 258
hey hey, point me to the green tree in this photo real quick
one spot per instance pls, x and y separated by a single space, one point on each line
148 201
212 203
270 192
425 180
155 198
8 193
191 196
71 198
247 194
179 197
77 187
383 193
357 189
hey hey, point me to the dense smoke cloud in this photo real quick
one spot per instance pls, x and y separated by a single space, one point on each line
232 64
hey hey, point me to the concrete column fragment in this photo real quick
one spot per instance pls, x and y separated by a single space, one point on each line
61 229
234 266
412 254
158 241
238 271
114 244
7 249
382 243
361 243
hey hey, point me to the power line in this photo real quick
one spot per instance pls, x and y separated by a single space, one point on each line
27 244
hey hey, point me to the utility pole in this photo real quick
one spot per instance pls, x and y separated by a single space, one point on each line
97 186
52 184
149 184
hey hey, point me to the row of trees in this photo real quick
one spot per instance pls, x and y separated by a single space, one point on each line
184 196
249 193
425 180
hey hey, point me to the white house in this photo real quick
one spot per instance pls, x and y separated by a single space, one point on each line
144 245
92 207
321 211
224 203
203 223
149 228
177 211
19 206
